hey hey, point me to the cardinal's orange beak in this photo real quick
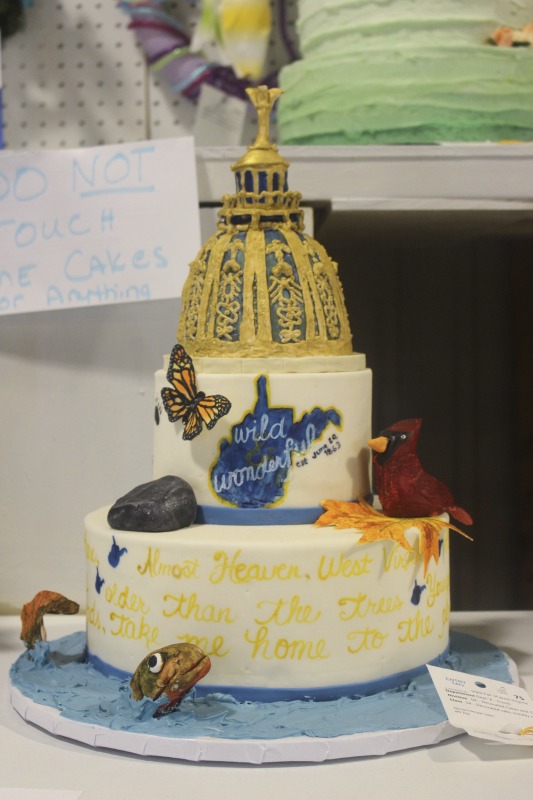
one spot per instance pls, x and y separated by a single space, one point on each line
379 444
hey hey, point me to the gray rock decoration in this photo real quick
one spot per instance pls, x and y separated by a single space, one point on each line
165 504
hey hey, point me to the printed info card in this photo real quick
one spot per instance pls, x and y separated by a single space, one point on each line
98 225
485 708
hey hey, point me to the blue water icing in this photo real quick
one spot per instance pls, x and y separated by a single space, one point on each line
56 674
99 582
417 592
116 553
253 466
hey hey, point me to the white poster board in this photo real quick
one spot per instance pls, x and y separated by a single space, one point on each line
94 226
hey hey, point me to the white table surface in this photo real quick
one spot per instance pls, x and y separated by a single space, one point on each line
463 767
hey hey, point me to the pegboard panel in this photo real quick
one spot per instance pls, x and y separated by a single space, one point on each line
75 77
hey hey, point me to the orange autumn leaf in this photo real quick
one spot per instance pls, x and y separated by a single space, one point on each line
375 526
429 540
372 524
344 514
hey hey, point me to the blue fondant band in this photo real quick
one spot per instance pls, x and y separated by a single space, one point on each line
261 695
108 669
223 515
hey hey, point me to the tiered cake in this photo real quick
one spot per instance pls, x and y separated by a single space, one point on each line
409 72
265 411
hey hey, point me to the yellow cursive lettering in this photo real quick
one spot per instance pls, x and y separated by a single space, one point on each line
362 605
344 567
445 619
398 558
187 607
93 617
294 650
156 568
126 600
90 554
282 612
417 627
435 587
127 628
232 569
211 647
367 639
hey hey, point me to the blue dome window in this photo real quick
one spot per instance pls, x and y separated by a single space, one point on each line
240 219
263 182
249 181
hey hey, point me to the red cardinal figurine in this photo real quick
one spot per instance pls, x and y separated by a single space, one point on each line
404 488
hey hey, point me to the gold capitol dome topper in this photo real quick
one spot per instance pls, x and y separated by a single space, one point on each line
261 286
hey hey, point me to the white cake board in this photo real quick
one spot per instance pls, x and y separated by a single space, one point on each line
250 751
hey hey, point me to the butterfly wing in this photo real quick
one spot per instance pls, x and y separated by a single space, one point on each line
206 411
179 400
212 407
181 373
176 405
192 425
184 402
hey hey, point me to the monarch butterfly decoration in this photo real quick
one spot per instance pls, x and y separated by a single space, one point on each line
185 402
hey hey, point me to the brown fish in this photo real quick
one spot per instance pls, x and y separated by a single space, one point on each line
32 614
172 671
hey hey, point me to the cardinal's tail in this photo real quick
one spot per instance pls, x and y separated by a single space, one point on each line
460 515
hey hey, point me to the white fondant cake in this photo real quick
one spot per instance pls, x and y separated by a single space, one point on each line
283 611
407 72
291 439
282 608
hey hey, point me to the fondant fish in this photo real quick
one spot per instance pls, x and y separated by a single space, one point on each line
172 671
45 602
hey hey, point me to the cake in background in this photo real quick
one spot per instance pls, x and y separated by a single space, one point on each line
409 72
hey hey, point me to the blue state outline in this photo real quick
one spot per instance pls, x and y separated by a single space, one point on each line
289 407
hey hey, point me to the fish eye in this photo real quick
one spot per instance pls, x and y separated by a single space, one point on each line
155 663
403 436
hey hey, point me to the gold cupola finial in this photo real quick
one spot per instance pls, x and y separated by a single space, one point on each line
263 99
261 286
262 152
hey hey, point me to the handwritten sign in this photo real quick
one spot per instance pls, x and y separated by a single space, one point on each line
111 224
